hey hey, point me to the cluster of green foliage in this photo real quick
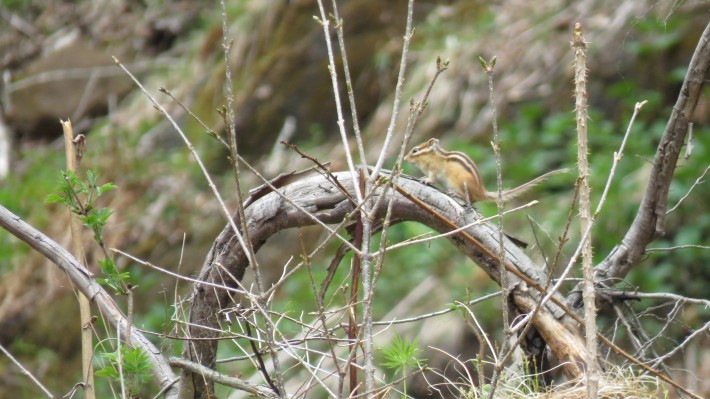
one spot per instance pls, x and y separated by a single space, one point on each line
402 355
80 197
125 365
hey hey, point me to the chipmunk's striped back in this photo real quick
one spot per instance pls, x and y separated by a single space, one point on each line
453 169
456 171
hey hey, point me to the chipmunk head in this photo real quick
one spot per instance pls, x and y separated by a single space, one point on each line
428 147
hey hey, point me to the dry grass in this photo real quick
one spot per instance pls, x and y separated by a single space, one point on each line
616 383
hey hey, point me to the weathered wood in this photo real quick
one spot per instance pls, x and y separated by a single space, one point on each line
82 279
319 198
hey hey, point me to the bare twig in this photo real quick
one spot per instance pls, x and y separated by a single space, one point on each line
325 23
467 226
470 382
617 158
579 45
82 279
324 169
176 275
489 68
436 313
119 363
482 332
677 247
624 295
192 150
27 372
704 329
408 33
349 86
209 130
649 222
260 301
236 383
416 109
699 180
87 347
526 326
602 201
362 236
321 317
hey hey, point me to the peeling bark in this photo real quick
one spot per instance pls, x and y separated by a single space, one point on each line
315 194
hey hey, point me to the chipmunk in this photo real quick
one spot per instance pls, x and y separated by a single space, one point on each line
459 173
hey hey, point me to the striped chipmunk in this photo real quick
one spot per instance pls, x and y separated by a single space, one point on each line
459 174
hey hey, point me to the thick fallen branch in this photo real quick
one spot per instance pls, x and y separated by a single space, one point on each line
84 282
318 195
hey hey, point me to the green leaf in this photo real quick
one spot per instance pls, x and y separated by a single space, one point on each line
123 276
108 372
91 177
482 61
133 359
103 214
89 220
109 282
135 364
106 187
108 267
53 198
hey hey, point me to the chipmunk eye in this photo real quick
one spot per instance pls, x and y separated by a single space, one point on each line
415 150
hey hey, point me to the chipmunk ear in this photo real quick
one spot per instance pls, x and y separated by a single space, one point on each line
432 142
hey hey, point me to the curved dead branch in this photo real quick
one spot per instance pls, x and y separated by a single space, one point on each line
226 262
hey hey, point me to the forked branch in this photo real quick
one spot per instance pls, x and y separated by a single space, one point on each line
649 223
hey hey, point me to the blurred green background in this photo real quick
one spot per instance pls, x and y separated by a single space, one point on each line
166 214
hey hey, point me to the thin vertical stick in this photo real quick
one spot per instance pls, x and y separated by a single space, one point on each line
367 275
408 33
229 115
585 213
119 363
87 346
365 218
325 23
362 241
349 86
489 67
354 285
